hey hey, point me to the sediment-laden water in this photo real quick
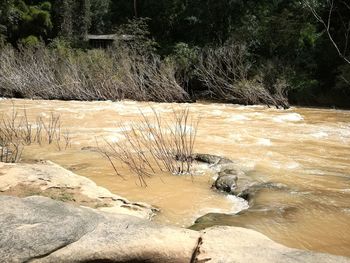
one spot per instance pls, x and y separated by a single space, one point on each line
306 151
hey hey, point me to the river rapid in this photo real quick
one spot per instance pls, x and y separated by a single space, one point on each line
305 150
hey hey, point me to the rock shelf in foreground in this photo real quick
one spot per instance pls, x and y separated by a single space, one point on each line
39 229
51 180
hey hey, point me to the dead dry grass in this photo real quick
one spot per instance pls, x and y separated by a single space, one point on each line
154 145
17 132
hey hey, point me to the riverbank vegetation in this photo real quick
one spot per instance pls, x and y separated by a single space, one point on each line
249 52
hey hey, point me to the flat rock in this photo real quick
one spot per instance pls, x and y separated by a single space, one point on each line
46 175
227 245
39 229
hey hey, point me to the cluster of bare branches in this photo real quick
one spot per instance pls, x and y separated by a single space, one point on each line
92 75
334 8
150 79
226 72
155 145
16 132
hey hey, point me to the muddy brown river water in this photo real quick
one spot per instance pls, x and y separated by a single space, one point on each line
305 150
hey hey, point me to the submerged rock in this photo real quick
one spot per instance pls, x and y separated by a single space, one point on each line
248 217
211 159
54 231
234 182
248 192
91 149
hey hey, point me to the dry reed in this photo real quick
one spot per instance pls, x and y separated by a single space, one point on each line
16 132
153 145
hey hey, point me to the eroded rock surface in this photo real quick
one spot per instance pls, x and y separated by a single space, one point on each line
229 179
49 179
39 229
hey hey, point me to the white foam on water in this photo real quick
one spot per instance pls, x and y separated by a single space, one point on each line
256 114
250 107
289 165
80 116
346 210
345 131
118 130
236 137
216 113
319 135
238 117
240 203
292 165
264 142
115 138
289 117
276 164
246 165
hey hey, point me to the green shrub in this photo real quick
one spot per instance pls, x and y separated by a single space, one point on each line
30 41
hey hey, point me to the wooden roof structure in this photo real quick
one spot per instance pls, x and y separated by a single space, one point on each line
110 37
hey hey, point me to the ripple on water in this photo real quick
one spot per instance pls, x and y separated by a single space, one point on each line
289 117
264 142
237 118
238 205
319 135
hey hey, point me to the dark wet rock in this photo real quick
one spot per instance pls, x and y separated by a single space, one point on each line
248 217
226 183
237 183
90 149
248 192
211 159
234 182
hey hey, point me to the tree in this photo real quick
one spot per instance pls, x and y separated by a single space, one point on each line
20 19
341 9
74 19
5 7
82 18
100 16
135 8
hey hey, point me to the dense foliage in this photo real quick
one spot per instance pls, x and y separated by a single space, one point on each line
301 45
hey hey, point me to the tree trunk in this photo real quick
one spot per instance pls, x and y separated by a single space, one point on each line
135 8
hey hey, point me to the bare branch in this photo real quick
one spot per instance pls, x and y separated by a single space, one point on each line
327 26
154 145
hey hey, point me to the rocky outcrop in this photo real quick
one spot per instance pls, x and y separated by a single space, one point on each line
235 182
228 178
211 159
48 179
233 244
231 180
247 218
226 181
39 229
